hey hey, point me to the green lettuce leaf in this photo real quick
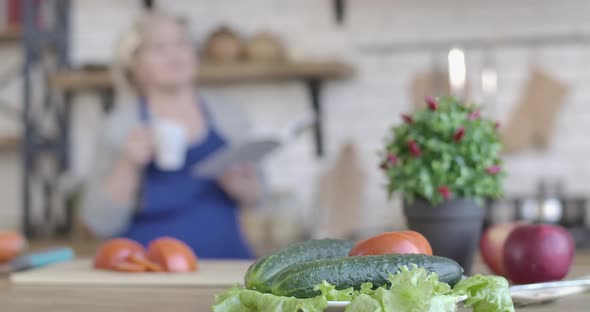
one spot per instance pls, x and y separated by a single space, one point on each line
417 282
367 289
440 303
364 303
330 292
386 303
245 300
413 290
486 293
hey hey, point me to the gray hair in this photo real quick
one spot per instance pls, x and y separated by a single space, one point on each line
129 44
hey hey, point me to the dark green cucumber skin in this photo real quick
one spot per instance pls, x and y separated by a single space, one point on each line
261 273
299 280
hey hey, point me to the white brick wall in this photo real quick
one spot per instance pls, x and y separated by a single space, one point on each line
379 93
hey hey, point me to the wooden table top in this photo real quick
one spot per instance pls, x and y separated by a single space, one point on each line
142 299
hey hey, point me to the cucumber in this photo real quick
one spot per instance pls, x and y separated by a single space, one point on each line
261 273
299 280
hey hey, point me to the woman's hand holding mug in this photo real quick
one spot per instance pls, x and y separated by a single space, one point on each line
138 150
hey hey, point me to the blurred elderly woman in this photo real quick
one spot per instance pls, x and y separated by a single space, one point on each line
129 194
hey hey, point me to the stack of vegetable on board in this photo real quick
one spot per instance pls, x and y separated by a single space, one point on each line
394 271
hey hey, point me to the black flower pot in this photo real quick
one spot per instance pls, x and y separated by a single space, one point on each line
452 227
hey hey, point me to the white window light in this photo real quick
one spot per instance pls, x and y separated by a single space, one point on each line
457 70
489 81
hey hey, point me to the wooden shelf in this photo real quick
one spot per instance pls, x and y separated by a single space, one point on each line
9 143
77 80
99 80
10 33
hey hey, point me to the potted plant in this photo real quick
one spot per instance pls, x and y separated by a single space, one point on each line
444 160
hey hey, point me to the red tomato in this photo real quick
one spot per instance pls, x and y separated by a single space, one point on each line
403 242
173 255
12 244
116 251
141 259
128 267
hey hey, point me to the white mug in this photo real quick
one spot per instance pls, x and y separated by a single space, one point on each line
171 144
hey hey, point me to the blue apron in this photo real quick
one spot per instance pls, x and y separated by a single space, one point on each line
188 207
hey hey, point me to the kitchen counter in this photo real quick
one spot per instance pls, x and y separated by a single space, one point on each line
94 299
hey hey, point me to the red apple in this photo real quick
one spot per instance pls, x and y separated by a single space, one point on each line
538 253
491 245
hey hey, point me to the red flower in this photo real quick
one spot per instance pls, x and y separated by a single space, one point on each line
431 102
459 134
497 125
392 159
444 191
493 169
407 118
474 115
414 148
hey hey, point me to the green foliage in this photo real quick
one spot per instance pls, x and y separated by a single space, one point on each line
467 166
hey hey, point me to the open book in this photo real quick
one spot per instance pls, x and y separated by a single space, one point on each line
251 150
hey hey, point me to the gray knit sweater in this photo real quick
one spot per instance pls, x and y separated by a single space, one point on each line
104 217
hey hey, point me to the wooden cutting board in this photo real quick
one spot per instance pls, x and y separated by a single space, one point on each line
341 190
532 123
218 273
